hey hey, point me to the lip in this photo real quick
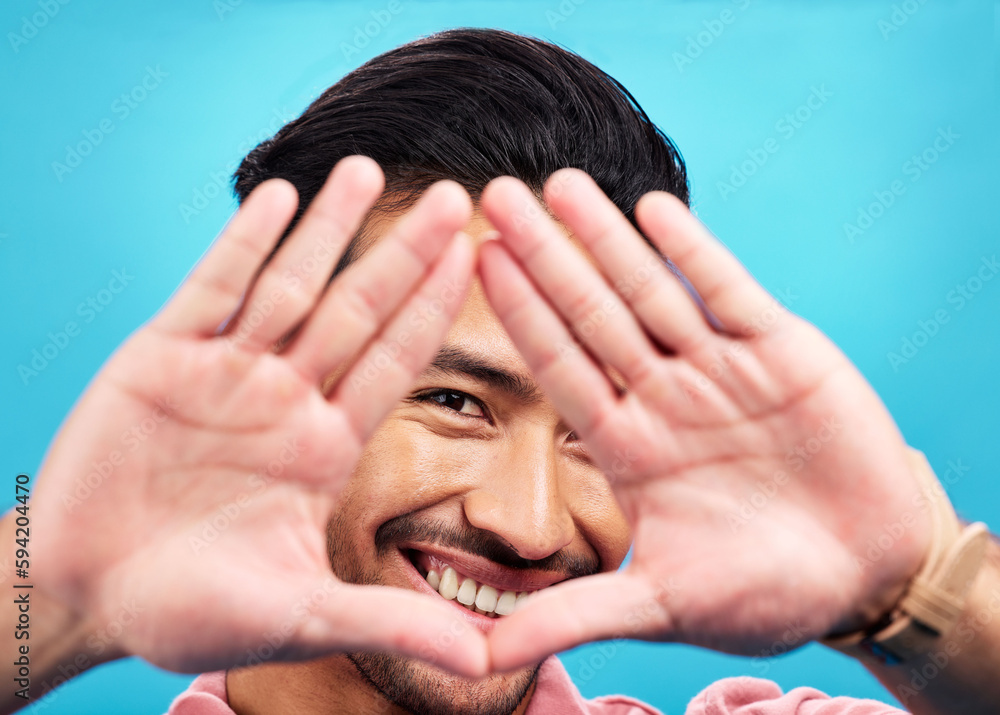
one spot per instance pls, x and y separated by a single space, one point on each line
420 584
485 571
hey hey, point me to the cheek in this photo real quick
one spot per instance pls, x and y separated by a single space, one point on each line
405 467
601 519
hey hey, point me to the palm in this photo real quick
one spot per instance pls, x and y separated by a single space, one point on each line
749 520
754 464
222 455
243 526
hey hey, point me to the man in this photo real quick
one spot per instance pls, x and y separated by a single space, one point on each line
473 443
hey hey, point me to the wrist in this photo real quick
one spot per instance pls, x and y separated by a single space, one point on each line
932 602
958 675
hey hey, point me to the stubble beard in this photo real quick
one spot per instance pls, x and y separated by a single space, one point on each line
417 687
421 689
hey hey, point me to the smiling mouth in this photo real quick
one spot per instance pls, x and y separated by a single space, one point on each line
452 585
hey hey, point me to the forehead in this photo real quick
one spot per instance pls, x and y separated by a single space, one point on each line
477 329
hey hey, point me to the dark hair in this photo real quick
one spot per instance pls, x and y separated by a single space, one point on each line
470 105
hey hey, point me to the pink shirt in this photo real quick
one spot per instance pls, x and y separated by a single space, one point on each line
555 694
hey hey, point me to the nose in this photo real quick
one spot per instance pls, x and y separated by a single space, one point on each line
518 499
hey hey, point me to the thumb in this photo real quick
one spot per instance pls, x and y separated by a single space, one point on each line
606 606
382 618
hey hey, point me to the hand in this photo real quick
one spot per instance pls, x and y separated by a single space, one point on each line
752 460
183 506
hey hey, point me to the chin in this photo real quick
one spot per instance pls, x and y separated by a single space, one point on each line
404 553
423 689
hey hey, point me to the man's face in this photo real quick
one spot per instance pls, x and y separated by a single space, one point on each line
474 472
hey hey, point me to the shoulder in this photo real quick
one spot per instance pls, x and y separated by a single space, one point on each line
205 696
556 693
620 705
730 695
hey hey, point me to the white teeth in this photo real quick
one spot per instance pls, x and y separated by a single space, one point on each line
505 604
486 599
449 584
483 599
467 592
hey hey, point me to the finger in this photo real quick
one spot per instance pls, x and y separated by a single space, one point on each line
361 300
391 364
568 281
725 285
214 289
580 389
289 617
606 606
378 618
640 276
289 286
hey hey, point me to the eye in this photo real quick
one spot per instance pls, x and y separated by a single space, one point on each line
453 400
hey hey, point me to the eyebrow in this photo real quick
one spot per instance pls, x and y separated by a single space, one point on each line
453 360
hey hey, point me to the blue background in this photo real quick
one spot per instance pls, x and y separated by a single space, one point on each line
235 71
